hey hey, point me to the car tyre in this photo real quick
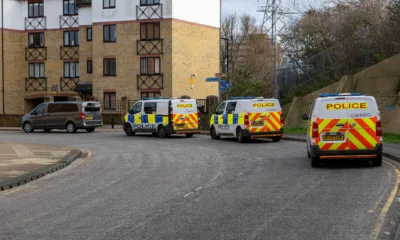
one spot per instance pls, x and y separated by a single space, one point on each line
161 132
90 129
71 127
28 128
377 162
308 152
189 135
47 130
213 134
128 130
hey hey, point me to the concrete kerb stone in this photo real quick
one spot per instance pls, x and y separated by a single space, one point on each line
29 177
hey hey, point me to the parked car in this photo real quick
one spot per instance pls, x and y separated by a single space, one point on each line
64 115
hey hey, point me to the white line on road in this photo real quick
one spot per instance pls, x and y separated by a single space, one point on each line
22 151
188 194
198 189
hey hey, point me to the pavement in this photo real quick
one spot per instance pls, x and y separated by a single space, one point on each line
143 187
21 163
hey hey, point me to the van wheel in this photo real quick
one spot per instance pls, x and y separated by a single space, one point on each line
47 130
377 162
276 139
71 127
28 127
213 134
308 151
189 135
161 132
128 130
315 162
90 129
239 136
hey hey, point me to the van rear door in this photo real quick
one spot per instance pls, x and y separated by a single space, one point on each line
185 115
92 112
333 123
364 113
264 115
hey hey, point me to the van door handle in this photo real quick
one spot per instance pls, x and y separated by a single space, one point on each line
339 125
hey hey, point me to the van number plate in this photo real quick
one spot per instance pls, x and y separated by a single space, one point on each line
89 117
333 138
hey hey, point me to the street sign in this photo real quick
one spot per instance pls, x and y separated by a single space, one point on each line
220 75
212 79
54 89
224 85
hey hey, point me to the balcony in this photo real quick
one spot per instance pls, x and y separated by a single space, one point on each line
68 84
149 12
69 21
67 53
150 82
149 46
35 84
37 23
33 54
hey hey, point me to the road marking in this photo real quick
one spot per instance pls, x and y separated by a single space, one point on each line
188 194
22 151
196 190
109 230
387 205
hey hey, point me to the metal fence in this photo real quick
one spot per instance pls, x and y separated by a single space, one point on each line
111 106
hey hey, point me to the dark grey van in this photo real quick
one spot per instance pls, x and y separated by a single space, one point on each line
64 115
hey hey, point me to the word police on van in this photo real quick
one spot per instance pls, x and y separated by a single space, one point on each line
248 117
344 126
163 117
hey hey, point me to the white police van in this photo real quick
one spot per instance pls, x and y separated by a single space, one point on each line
163 117
248 117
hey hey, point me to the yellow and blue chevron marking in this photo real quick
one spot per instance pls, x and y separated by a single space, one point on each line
147 119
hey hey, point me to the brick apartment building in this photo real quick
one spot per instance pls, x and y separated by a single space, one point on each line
106 49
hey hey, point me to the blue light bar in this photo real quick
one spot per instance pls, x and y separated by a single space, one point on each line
240 98
339 94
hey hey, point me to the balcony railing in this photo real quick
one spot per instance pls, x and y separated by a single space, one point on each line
69 52
150 82
35 23
69 21
68 84
32 54
149 46
149 12
36 84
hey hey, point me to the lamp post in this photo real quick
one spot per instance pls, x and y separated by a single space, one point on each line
227 53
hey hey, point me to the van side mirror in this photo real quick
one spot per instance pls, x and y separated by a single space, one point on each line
305 117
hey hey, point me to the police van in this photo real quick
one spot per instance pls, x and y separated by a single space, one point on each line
344 126
163 117
248 117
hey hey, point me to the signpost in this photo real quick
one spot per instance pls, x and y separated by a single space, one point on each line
54 89
212 79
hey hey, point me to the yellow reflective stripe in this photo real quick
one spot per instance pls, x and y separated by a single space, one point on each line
336 128
138 119
212 119
277 124
165 120
370 123
323 124
241 118
230 118
277 116
151 118
366 136
335 146
126 118
355 141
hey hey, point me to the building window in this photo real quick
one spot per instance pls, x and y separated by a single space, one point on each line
108 4
89 34
150 66
110 67
89 66
36 40
149 31
110 33
35 10
71 69
69 8
71 38
149 95
110 100
149 2
36 70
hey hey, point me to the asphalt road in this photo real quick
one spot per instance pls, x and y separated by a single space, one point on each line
143 187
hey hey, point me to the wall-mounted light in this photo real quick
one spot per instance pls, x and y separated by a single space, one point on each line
191 80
